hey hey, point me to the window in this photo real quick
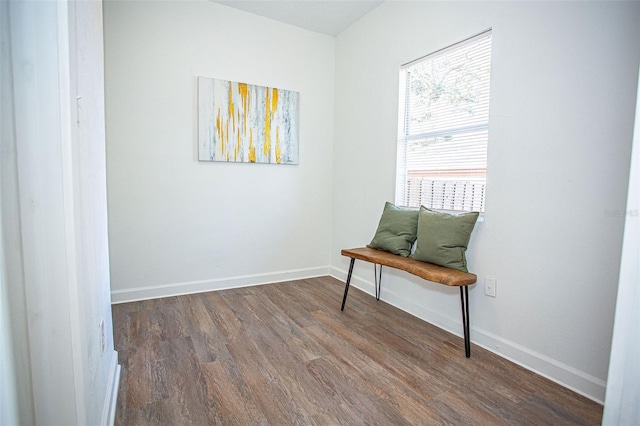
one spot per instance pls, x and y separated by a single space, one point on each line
444 127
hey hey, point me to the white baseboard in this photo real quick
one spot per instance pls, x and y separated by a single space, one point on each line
177 289
110 402
565 375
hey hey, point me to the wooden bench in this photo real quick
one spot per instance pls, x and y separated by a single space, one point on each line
427 271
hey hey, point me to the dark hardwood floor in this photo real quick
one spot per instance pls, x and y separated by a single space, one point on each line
284 353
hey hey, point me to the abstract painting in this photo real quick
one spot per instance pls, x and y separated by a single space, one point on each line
246 123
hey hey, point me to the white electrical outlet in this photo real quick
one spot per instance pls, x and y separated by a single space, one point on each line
490 286
102 342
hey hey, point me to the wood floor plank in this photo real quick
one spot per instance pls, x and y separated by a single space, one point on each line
199 325
456 407
150 384
289 355
256 353
292 305
383 382
285 354
357 395
267 390
289 333
239 405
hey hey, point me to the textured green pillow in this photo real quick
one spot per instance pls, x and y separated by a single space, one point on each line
396 231
443 238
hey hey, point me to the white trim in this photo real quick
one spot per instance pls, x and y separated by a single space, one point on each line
111 398
565 375
177 289
68 151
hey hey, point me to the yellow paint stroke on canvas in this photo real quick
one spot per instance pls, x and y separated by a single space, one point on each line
252 149
238 132
222 129
277 145
231 108
274 101
266 148
237 152
243 89
271 105
225 137
219 126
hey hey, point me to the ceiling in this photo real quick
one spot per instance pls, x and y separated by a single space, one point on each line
329 17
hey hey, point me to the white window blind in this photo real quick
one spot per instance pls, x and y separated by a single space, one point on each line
443 131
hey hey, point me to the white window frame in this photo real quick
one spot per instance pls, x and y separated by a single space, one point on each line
447 189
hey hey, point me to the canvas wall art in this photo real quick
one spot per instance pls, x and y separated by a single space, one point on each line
246 123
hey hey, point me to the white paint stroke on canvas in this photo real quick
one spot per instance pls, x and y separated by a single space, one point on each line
239 122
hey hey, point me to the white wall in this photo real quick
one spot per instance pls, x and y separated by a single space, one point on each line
564 76
177 225
54 230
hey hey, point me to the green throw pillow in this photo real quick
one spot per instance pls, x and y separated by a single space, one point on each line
396 230
443 238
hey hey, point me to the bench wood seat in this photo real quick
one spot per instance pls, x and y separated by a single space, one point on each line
424 270
427 271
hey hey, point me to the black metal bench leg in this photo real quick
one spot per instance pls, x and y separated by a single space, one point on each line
346 287
378 279
464 300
